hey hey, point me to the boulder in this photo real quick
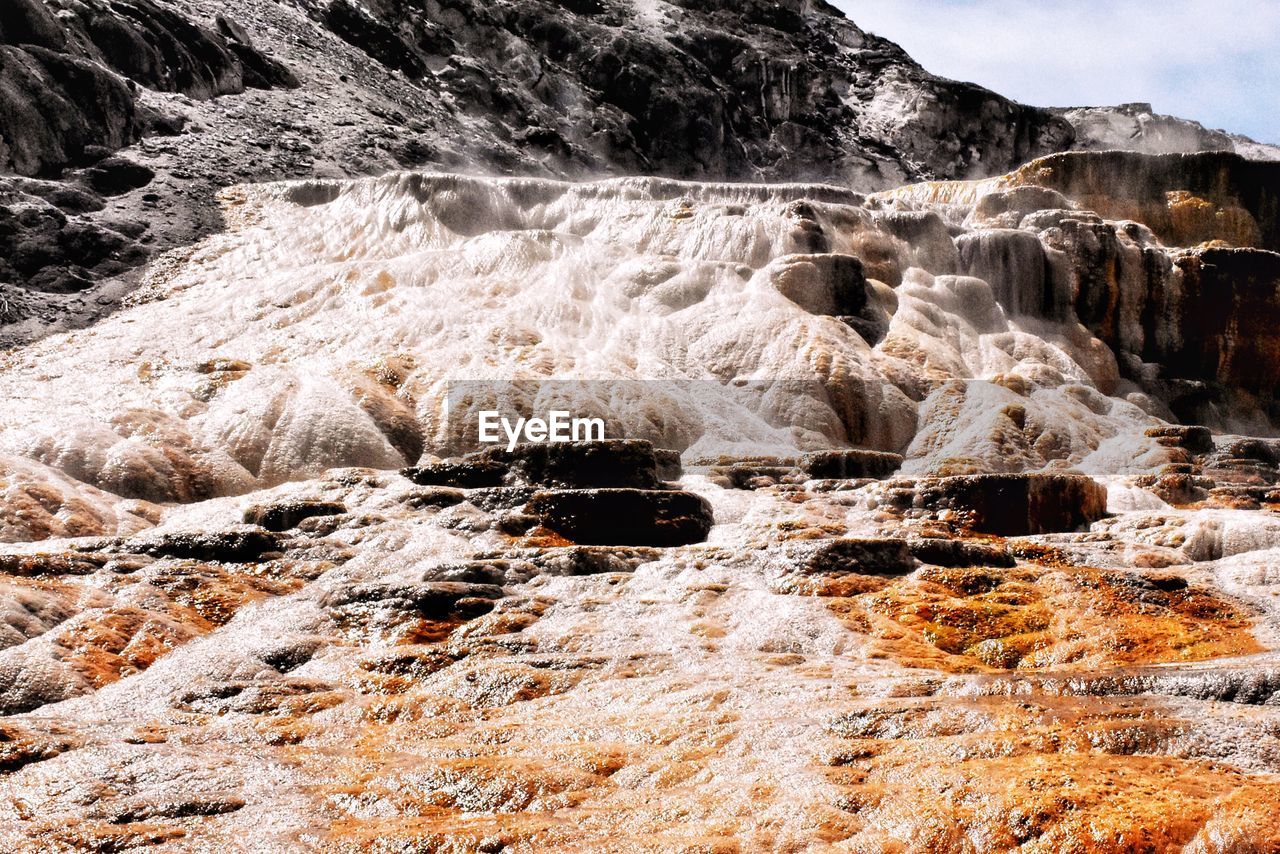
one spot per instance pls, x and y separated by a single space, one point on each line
1262 450
624 517
670 465
756 476
828 284
114 176
501 497
433 496
1197 440
436 600
592 560
244 546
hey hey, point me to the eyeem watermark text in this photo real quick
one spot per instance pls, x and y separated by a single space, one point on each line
558 426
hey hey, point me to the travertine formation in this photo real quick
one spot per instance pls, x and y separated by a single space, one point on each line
936 518
121 121
935 530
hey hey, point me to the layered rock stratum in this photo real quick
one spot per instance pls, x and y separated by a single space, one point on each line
938 509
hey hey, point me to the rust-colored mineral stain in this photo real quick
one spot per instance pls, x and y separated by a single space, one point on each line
216 593
106 643
1082 802
1039 774
968 620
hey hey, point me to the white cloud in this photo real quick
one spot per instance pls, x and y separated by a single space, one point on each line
1217 61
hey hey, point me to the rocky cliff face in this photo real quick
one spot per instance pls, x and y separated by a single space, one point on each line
75 81
72 72
1170 260
697 90
1137 127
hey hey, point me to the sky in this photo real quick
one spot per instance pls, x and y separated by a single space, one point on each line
1215 61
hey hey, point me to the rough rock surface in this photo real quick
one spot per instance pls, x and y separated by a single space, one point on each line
1089 332
408 655
859 556
283 515
1169 260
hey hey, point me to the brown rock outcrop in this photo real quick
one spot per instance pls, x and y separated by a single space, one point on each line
1018 505
624 517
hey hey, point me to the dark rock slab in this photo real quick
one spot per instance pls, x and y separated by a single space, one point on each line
960 553
114 176
1014 505
1197 440
434 496
521 565
244 546
284 515
38 565
670 465
433 599
756 475
493 570
469 473
1260 450
862 556
850 464
501 497
620 463
624 517
592 560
